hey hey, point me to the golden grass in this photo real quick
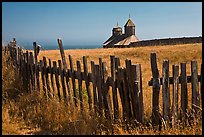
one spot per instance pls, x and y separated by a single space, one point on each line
175 54
31 114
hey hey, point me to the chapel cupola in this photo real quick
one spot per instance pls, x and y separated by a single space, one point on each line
117 30
129 28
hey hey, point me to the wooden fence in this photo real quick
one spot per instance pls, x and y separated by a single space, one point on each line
171 114
105 93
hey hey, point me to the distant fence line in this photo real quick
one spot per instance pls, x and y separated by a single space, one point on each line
104 92
158 42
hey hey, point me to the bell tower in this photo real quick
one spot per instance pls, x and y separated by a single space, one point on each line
117 30
129 28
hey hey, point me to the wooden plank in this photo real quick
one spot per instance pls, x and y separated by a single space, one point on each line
46 77
28 72
184 92
96 75
59 40
32 74
98 85
106 97
175 95
61 71
114 89
56 79
80 86
43 78
36 51
194 83
87 82
166 91
140 93
66 74
121 91
134 94
94 87
126 95
73 80
117 85
156 90
128 86
51 77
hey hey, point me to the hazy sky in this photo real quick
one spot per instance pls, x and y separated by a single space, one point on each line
91 23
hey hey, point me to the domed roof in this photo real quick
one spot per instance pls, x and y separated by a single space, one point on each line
129 23
117 27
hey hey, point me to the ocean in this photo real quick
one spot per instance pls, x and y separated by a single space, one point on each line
53 47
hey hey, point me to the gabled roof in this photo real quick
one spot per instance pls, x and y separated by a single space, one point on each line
129 23
120 40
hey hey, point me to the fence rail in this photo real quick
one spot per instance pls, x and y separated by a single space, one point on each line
54 79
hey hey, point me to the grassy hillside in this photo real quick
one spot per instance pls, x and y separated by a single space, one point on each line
58 121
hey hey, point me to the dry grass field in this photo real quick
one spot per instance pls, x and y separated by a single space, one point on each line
68 123
175 54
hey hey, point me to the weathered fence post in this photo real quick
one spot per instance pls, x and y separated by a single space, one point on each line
135 90
126 95
184 92
105 91
165 91
128 87
36 51
46 77
59 40
23 70
73 80
27 72
80 85
51 76
94 86
175 95
32 76
87 82
56 72
43 78
194 82
66 75
120 85
61 72
114 89
98 85
156 89
140 94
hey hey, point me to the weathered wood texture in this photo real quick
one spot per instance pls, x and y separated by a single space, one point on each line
156 90
125 82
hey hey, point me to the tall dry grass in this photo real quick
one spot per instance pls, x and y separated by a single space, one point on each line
176 54
31 114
